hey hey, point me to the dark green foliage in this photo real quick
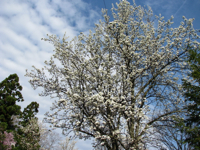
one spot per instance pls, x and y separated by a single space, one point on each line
192 95
9 94
29 112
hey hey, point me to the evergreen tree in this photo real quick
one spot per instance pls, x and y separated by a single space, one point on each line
28 134
192 96
9 93
29 112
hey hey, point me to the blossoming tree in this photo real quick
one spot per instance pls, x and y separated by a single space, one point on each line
67 144
118 84
8 141
29 137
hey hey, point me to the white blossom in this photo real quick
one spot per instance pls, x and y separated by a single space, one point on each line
122 79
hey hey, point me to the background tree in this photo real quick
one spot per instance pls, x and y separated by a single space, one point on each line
192 95
185 134
67 144
11 117
170 136
10 92
29 136
8 141
115 85
2 138
28 131
35 135
48 138
51 140
29 113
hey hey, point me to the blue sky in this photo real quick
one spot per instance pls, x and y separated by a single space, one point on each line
24 22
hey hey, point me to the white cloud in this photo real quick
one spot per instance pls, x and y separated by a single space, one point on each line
24 23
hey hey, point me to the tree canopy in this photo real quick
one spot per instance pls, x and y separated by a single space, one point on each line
192 95
11 117
119 83
10 92
29 113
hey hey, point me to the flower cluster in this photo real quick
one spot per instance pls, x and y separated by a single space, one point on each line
9 140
